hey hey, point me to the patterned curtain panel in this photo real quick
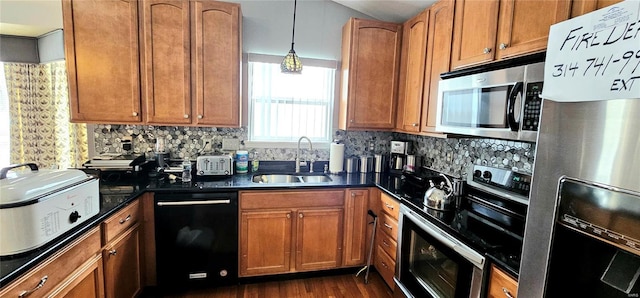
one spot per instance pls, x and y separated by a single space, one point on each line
39 110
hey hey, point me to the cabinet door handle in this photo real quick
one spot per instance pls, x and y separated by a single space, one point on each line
38 286
486 50
288 215
503 46
113 252
385 243
186 116
134 114
300 215
385 265
388 206
388 226
199 116
506 292
415 124
128 218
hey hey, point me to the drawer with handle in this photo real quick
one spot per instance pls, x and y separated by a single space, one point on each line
120 221
389 225
390 205
387 244
501 284
385 266
47 276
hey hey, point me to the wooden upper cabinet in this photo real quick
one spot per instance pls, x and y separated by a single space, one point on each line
166 61
438 59
101 50
370 61
412 75
474 32
580 7
216 53
524 25
488 30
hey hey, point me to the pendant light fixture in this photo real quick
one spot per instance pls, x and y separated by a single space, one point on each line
291 62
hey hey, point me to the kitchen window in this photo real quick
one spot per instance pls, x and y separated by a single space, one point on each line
283 107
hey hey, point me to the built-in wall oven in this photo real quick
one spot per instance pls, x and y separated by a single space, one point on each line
447 253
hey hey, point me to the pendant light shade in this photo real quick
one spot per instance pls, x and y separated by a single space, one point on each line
291 62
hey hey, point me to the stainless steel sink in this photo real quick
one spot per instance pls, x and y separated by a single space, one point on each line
276 178
315 179
290 178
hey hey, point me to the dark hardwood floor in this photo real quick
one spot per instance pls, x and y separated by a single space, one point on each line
347 285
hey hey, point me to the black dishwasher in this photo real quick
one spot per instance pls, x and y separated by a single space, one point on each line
196 239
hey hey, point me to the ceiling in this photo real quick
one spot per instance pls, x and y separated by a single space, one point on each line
388 10
30 17
36 17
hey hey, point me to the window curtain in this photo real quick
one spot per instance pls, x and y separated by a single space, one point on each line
39 117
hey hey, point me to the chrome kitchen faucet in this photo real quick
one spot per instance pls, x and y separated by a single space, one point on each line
298 155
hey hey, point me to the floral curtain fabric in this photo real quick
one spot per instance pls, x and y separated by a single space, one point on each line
39 117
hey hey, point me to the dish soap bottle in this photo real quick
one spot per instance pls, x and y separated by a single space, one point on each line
186 170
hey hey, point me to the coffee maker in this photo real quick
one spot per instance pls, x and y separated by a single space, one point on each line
399 154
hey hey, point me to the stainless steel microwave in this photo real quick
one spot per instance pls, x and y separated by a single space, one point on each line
501 104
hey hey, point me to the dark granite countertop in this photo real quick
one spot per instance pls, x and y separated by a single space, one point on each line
115 195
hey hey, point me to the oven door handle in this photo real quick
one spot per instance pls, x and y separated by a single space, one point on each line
472 256
191 203
469 255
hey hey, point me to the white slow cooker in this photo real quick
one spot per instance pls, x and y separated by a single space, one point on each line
37 206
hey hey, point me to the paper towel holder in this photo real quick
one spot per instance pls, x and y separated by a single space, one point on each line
336 157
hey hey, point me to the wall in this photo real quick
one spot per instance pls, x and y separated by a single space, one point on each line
452 156
267 27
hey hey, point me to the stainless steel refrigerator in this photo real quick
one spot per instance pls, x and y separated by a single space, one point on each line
583 222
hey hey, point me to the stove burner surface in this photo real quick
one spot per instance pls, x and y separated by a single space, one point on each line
489 232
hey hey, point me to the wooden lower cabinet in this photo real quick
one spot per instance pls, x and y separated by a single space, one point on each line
87 282
265 242
386 266
74 271
122 265
355 227
387 237
319 239
290 231
501 284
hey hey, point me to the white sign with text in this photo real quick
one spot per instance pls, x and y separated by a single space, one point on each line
595 56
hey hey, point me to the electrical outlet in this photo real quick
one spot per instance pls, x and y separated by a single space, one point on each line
127 143
207 144
230 144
